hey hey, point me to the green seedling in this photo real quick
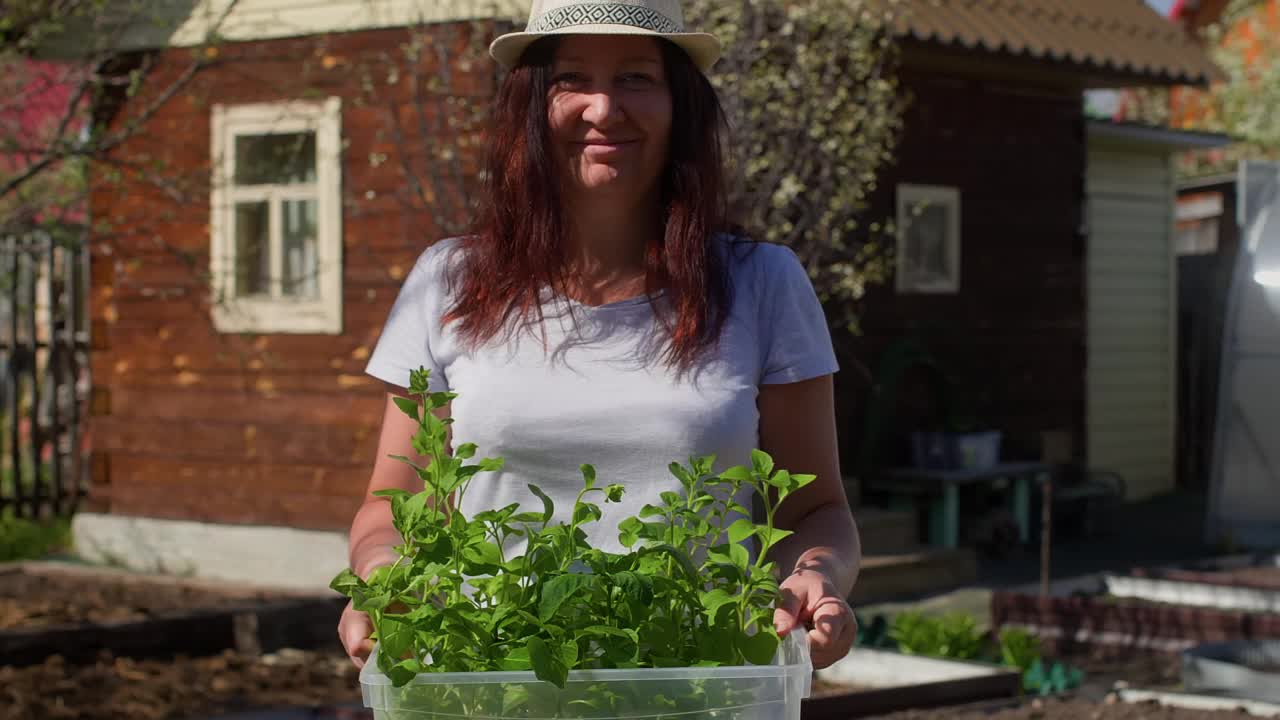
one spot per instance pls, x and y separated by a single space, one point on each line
687 593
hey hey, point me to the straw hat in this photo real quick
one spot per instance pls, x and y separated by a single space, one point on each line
655 18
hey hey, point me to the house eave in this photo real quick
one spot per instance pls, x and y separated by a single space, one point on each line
1156 136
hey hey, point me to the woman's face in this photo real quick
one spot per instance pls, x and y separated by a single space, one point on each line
609 107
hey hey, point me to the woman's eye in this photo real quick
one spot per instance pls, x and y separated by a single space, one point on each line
638 79
569 79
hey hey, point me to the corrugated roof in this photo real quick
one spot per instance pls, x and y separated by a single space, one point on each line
1121 36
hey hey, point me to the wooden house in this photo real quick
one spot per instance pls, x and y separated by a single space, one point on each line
234 435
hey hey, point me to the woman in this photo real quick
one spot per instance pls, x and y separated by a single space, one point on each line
599 313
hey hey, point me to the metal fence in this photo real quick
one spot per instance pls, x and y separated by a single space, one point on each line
44 372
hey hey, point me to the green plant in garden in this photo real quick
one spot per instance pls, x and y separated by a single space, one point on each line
687 594
23 539
811 94
954 635
1018 648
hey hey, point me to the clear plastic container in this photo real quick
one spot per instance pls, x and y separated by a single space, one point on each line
749 692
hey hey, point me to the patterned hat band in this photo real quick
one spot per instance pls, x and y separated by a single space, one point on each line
654 18
636 16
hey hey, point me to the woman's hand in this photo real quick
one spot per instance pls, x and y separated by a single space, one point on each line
810 598
355 627
354 630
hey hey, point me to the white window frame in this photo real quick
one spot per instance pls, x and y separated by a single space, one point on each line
278 314
910 197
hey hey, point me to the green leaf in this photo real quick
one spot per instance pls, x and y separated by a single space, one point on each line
403 672
614 493
558 590
392 493
483 553
407 406
702 465
671 499
680 556
347 582
370 600
440 399
465 451
516 659
585 512
629 532
548 507
761 463
385 576
419 380
409 513
760 648
681 474
588 476
781 480
733 552
491 464
799 481
395 638
638 588
740 530
737 473
715 599
548 666
650 511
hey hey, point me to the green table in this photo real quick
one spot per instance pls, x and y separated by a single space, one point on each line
942 488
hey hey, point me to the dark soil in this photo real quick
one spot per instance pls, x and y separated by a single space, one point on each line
1072 709
124 689
29 599
1149 671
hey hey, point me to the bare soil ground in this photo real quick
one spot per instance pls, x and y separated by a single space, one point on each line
40 599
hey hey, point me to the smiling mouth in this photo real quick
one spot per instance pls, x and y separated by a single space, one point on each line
614 144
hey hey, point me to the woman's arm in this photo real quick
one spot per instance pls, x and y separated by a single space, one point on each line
819 562
373 537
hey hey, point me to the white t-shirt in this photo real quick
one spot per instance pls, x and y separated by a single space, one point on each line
600 393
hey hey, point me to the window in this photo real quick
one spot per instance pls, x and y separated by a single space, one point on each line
1198 219
276 218
928 258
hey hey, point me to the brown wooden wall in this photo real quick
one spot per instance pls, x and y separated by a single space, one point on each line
1015 333
274 429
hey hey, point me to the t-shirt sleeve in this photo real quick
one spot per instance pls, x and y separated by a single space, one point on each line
798 342
405 342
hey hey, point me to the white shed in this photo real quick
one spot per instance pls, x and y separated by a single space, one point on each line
1131 300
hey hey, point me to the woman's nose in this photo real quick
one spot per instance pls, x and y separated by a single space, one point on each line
602 109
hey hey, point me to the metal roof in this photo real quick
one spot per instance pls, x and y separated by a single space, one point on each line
1116 36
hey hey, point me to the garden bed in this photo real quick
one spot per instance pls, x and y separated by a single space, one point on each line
112 688
1067 624
1245 583
74 612
869 682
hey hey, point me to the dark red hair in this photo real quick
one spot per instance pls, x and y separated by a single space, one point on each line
517 247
